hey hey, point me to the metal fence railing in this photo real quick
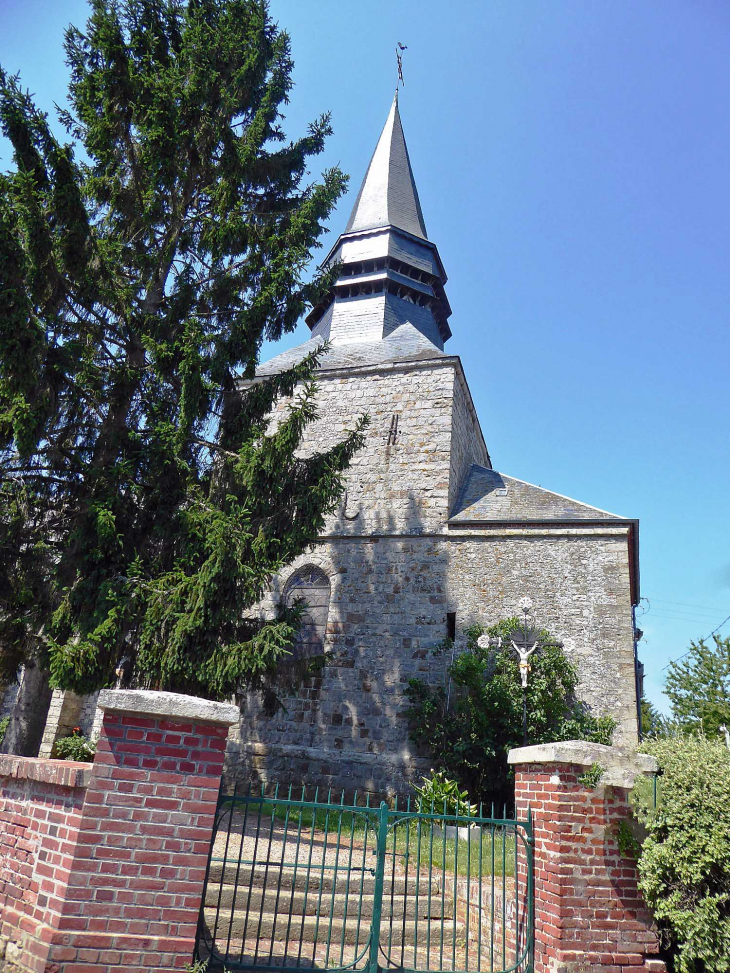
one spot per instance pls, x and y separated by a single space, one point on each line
322 884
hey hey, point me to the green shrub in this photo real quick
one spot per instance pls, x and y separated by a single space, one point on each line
4 724
469 724
685 859
74 747
443 795
592 777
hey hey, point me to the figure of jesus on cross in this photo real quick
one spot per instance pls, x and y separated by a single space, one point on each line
524 640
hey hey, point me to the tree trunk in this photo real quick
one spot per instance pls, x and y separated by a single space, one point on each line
28 718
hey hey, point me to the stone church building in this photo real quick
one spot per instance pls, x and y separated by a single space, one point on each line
430 537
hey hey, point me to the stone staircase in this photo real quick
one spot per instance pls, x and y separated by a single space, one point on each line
322 918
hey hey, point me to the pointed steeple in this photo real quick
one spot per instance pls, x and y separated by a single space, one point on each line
390 273
388 195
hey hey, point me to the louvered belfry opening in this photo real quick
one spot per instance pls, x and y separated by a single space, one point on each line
312 586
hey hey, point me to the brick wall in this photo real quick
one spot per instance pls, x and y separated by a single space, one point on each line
589 914
103 866
41 806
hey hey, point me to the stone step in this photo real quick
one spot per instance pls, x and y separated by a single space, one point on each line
245 875
309 929
254 900
278 954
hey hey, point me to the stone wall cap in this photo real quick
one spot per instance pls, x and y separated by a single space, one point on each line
61 773
621 765
174 706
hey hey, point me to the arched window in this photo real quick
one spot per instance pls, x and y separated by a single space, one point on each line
312 585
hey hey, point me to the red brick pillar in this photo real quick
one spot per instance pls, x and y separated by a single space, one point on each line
134 887
589 914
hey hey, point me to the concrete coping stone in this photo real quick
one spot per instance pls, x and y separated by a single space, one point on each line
62 773
172 706
621 766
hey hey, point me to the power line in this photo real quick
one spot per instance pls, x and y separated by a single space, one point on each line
678 613
690 616
713 632
685 604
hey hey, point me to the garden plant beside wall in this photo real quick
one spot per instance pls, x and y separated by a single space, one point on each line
469 724
684 862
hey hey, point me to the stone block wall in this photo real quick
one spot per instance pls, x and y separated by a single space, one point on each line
66 711
578 579
346 728
405 485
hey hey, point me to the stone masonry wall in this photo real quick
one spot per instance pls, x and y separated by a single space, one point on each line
396 569
346 727
578 579
396 487
467 444
390 595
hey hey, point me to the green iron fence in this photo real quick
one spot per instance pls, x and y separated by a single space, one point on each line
323 885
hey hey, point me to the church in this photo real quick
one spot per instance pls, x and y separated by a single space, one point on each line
429 537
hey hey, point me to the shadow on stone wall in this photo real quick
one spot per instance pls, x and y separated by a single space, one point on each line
346 725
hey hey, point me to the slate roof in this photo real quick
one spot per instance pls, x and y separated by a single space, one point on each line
491 496
388 195
403 344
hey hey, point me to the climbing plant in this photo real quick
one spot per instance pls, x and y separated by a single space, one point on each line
470 722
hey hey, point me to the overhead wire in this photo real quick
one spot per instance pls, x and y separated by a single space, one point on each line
671 611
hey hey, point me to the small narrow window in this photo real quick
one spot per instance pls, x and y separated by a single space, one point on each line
451 625
393 431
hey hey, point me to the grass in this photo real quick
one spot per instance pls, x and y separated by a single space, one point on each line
487 849
472 857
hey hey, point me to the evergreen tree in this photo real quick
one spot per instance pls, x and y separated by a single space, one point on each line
145 501
698 687
653 723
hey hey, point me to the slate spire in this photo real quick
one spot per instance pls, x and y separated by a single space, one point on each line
391 274
388 194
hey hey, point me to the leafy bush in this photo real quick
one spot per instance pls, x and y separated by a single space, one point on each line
592 777
443 795
74 747
685 859
471 722
4 724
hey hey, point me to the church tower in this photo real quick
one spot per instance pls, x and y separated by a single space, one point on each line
429 537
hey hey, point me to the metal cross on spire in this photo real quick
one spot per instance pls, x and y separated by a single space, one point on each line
399 58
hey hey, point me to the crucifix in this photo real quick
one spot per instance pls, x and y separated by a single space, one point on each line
524 640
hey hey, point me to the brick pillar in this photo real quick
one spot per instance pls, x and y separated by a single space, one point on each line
589 914
134 887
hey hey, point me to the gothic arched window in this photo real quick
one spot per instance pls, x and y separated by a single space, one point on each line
312 585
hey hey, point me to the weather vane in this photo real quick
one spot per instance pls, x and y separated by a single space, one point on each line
399 58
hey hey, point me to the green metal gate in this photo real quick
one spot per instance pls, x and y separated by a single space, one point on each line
323 885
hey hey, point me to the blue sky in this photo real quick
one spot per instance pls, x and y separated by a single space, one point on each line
573 163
